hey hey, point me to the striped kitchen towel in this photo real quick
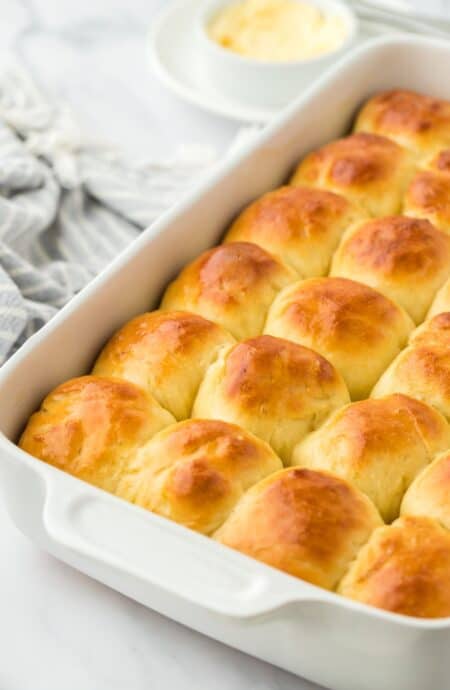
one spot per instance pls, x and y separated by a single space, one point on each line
67 205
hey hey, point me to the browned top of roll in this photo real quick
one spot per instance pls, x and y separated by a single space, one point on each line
370 169
90 425
273 387
434 331
389 424
222 273
337 311
166 353
379 445
404 568
429 359
428 191
422 370
195 471
407 259
232 284
413 119
356 328
399 247
300 224
309 524
428 195
259 370
355 160
441 162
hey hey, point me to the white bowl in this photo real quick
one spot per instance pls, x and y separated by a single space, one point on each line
258 82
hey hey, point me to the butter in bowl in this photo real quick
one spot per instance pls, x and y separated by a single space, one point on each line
263 52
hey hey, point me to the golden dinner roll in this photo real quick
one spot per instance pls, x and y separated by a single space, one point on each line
429 494
428 196
418 122
195 471
440 162
441 302
276 389
434 331
301 225
404 568
407 259
378 445
167 353
91 426
309 524
233 285
356 328
370 170
422 370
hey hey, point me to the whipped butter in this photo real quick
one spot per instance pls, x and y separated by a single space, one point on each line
277 30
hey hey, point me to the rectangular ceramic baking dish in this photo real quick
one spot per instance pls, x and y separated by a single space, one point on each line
245 604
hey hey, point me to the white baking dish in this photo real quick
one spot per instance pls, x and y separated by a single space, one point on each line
183 575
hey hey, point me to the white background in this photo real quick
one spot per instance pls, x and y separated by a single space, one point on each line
60 630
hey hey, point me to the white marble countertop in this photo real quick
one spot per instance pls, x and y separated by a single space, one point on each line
91 54
59 629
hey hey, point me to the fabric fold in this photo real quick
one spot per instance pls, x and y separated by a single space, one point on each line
68 205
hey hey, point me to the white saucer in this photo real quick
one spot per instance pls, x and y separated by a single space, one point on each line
171 56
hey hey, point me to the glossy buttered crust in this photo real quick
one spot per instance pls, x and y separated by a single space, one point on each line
356 328
195 471
276 389
370 170
428 195
440 162
404 568
166 353
407 259
117 428
91 426
309 524
422 370
418 122
301 225
378 445
233 285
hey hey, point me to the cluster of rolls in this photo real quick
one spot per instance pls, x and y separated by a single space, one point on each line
291 396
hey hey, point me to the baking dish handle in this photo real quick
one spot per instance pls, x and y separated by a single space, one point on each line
163 554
